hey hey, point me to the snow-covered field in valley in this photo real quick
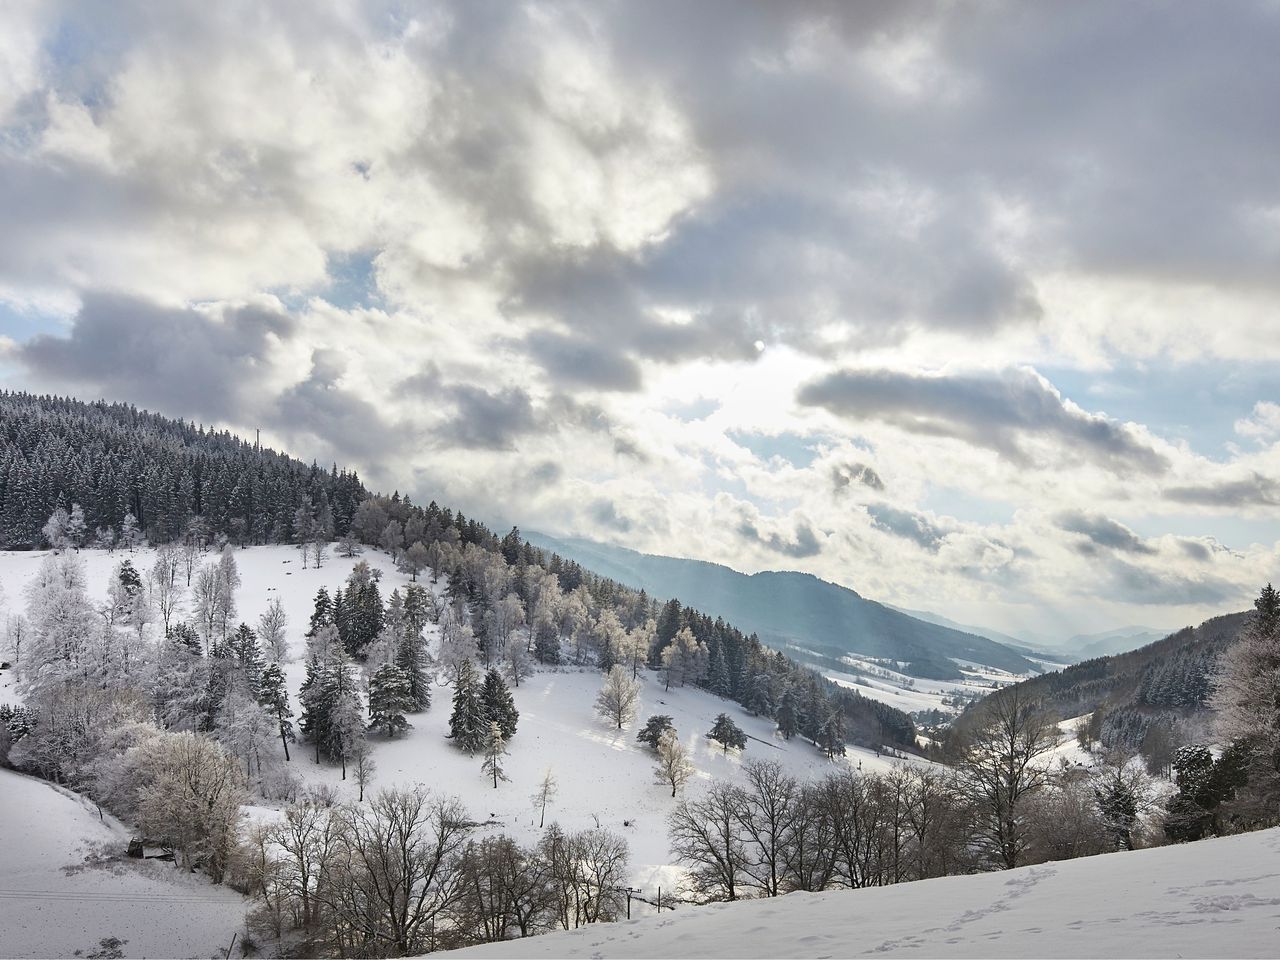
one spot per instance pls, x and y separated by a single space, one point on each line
66 885
1216 898
604 776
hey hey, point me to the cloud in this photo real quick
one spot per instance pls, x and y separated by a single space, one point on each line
488 420
1139 585
843 475
1263 424
1254 490
569 361
1102 531
907 524
1010 414
803 542
204 364
319 409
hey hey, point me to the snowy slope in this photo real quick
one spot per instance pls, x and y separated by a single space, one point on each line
1216 898
602 772
65 885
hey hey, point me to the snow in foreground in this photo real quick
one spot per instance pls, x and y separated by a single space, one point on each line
65 885
1216 898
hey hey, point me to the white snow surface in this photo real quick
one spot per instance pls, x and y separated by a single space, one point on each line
1215 898
66 884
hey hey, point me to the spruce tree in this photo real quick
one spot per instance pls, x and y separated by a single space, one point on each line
322 615
498 705
389 700
468 725
546 644
274 697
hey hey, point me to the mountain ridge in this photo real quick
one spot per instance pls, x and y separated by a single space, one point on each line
820 620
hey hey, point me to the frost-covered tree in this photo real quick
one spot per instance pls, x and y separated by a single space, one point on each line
412 560
272 626
165 584
636 646
542 797
55 530
61 624
674 766
495 749
684 659
501 621
618 698
727 733
130 534
468 724
1246 696
515 660
389 700
457 647
190 792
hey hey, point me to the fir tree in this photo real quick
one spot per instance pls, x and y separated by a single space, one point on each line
468 724
274 697
322 615
389 700
498 705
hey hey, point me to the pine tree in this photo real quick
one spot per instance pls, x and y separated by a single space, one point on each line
274 697
389 700
498 705
546 644
468 724
718 674
727 733
242 649
412 657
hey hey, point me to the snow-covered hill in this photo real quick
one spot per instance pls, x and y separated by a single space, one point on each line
65 885
605 777
1216 898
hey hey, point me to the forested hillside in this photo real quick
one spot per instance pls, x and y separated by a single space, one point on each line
1152 699
109 472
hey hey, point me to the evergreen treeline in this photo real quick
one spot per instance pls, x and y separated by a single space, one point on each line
115 460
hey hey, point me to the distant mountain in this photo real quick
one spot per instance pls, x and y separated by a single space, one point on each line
1089 645
1033 649
814 620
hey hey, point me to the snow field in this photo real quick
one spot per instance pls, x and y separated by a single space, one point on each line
65 885
1215 898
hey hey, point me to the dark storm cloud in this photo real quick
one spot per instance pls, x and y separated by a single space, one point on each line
1102 531
1001 413
1252 491
907 524
182 362
803 542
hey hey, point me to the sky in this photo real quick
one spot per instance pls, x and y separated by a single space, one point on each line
974 308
